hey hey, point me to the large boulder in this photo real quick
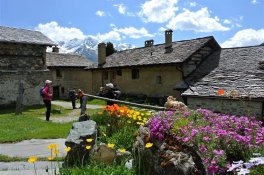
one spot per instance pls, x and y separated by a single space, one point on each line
77 141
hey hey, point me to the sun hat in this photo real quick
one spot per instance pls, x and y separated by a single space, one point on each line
109 85
48 82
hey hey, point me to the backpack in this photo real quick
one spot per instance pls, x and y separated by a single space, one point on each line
41 92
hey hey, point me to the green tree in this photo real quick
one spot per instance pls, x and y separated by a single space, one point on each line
110 48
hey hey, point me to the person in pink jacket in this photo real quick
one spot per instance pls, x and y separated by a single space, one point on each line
47 97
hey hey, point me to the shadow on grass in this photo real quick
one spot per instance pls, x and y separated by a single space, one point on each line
12 109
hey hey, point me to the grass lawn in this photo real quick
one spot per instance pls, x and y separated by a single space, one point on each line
14 128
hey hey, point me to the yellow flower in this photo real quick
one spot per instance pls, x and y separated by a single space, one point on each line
56 152
53 146
110 145
51 158
148 145
88 147
89 140
32 159
140 123
67 149
123 150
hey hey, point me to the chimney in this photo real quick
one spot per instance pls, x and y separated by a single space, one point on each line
149 43
55 49
101 53
168 38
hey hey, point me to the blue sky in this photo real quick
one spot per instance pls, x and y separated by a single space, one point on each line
233 23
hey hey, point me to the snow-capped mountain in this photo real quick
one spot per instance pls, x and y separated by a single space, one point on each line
87 47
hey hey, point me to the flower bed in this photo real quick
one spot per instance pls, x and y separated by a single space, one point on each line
221 139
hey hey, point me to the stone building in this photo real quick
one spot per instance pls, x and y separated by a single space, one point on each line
68 72
152 70
22 60
237 71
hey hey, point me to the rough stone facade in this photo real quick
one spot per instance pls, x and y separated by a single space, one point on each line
228 106
15 56
22 63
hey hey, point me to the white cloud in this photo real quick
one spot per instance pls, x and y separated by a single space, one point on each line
162 29
254 2
121 8
158 11
193 4
133 32
246 37
110 36
227 21
100 13
58 33
199 21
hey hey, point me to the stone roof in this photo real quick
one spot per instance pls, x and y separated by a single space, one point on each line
238 72
14 35
66 60
155 55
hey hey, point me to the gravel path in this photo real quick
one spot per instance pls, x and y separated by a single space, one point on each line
73 115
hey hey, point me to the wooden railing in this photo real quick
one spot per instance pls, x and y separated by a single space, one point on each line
158 108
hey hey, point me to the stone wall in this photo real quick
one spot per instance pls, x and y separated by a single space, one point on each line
227 106
24 63
32 81
147 83
15 56
70 78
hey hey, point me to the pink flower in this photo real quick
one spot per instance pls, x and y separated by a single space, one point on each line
203 148
206 138
219 152
186 139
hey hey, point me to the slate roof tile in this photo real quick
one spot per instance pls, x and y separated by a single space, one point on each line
15 35
66 60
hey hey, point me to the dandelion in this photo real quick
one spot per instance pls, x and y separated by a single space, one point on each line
67 149
53 146
149 145
110 145
123 150
51 158
32 159
56 152
88 147
89 140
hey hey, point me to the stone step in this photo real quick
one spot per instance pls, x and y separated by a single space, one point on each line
25 168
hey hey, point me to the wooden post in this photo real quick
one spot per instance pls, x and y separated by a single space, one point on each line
158 108
19 101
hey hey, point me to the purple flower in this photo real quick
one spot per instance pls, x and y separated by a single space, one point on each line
219 152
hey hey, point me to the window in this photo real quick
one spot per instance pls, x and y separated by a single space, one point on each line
62 90
119 72
158 79
58 73
105 75
135 73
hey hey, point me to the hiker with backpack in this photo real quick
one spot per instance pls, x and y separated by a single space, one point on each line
72 96
47 95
